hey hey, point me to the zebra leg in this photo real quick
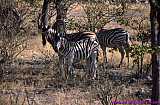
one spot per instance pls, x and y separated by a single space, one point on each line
122 51
70 65
88 66
61 65
93 64
112 60
127 54
105 55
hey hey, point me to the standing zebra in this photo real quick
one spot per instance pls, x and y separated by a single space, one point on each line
71 52
114 38
52 37
74 47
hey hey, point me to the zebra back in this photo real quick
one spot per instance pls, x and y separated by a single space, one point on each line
80 36
53 37
113 38
80 49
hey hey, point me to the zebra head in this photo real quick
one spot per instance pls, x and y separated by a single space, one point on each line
61 41
52 37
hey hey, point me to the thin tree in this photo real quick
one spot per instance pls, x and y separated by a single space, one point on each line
44 20
155 39
59 25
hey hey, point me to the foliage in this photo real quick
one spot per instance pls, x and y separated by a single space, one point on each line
12 38
157 3
12 47
72 24
123 21
97 15
139 50
31 2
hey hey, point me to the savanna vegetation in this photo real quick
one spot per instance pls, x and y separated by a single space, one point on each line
29 71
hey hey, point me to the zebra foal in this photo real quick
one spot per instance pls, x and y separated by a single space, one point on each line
114 38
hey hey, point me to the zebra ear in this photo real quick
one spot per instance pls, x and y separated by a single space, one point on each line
58 45
50 30
58 34
48 27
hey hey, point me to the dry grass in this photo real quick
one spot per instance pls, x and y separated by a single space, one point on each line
36 82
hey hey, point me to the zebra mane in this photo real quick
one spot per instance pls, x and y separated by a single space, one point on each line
73 37
103 29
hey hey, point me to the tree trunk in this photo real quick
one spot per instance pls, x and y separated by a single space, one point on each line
155 40
158 20
61 15
44 19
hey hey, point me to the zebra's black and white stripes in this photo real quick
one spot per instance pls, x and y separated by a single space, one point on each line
74 47
52 37
73 51
114 38
77 46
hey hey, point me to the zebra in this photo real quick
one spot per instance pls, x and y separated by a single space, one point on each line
114 38
52 38
71 52
72 48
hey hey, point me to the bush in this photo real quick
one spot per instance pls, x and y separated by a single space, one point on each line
12 39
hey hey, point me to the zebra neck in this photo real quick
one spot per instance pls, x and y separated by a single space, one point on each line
66 49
